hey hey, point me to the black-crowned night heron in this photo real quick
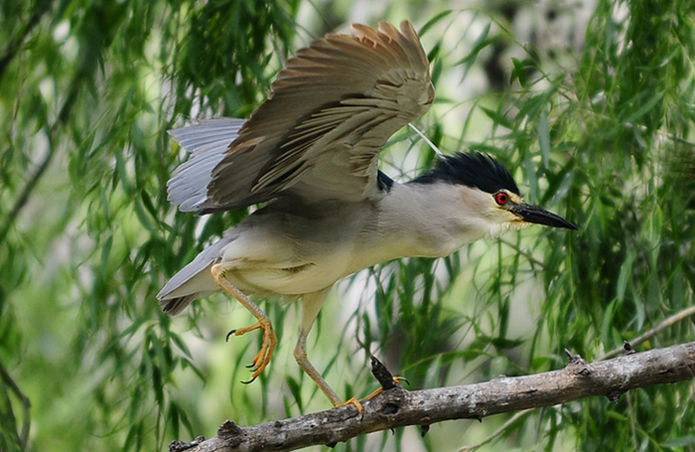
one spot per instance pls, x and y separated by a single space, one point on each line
310 154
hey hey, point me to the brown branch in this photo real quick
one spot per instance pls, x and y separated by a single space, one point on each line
398 407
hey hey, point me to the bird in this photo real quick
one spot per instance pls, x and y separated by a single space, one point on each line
308 158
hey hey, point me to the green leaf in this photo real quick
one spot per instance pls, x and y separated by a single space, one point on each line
679 442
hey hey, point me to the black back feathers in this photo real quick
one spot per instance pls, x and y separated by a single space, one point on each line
385 182
472 169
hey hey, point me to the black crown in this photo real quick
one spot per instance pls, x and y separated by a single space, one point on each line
470 169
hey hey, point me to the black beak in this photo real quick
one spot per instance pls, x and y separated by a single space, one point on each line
533 214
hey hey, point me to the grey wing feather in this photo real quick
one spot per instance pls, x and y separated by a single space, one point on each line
194 280
207 142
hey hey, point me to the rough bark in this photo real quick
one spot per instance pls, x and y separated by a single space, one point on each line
397 407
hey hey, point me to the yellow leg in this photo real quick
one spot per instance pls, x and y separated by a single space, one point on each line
269 340
311 305
397 380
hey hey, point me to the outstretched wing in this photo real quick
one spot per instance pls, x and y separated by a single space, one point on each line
318 135
207 142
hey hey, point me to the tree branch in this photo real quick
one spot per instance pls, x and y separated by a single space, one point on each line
398 407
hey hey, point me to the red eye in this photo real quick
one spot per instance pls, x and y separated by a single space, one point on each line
501 198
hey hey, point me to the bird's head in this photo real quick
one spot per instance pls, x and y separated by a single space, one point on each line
489 199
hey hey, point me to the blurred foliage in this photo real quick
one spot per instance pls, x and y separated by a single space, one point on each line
600 132
88 90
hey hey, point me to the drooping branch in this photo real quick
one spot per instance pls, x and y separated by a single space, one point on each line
398 407
9 382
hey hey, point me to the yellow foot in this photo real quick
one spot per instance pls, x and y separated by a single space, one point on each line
358 403
352 401
262 359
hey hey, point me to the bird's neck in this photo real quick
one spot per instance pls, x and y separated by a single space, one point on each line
424 220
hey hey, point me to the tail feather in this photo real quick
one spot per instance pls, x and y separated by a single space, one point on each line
174 306
193 281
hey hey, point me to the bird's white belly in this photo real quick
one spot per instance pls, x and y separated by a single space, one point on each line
292 280
285 283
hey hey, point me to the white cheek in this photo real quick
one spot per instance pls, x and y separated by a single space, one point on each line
498 229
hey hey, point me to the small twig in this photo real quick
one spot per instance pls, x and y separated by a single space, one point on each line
675 318
24 401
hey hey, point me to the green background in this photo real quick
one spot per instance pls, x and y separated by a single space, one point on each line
590 105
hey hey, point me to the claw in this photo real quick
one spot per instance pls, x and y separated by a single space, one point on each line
261 360
399 380
226 339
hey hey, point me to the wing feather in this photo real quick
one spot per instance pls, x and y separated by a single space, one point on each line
328 115
207 142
